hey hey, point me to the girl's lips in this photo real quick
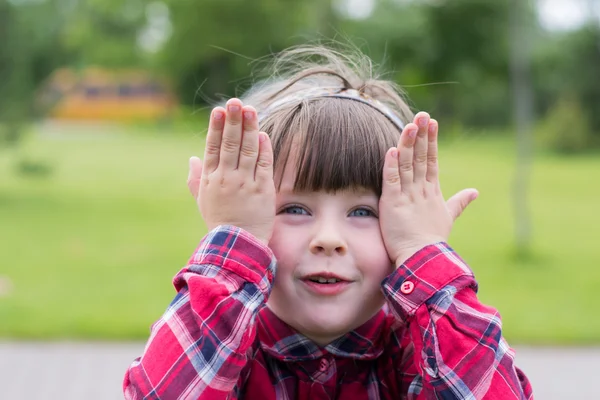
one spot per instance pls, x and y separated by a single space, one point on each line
326 275
326 289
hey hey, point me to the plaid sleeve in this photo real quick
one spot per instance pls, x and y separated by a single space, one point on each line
459 350
201 344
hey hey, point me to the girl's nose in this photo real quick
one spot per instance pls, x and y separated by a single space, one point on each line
328 239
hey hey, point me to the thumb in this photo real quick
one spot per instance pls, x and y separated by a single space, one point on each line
457 203
194 176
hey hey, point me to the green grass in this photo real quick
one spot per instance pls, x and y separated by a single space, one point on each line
91 250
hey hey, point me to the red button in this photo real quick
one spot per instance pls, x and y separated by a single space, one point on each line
407 287
324 365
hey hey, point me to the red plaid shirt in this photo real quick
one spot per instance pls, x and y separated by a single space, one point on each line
218 340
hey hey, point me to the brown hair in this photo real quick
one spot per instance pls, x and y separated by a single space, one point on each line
340 143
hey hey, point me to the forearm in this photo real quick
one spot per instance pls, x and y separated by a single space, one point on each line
459 350
201 344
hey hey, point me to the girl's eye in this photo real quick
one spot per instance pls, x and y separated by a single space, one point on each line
295 210
362 212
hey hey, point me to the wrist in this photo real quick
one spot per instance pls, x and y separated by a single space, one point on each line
408 252
401 259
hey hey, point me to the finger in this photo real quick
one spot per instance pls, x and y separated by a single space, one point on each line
405 160
264 164
232 135
194 176
432 152
391 175
213 140
420 156
457 203
249 149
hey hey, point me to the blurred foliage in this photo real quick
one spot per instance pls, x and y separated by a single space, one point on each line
569 65
459 46
565 129
452 56
214 41
30 48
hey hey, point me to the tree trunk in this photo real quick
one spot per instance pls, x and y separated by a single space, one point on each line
523 116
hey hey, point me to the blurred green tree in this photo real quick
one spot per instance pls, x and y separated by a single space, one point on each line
470 40
103 32
16 72
566 72
214 42
27 56
459 46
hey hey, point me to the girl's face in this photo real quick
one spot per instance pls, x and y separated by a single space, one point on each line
318 236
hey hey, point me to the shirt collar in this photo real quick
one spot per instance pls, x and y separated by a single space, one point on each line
285 343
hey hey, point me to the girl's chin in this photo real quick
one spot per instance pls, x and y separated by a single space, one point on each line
326 327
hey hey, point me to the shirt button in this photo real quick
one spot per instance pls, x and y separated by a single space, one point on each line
270 276
407 287
323 365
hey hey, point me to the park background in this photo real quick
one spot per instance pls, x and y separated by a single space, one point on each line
95 217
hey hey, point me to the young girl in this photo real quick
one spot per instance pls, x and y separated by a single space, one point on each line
326 273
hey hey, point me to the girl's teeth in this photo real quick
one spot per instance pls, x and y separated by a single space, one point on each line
325 280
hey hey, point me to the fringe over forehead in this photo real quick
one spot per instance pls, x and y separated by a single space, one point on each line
336 143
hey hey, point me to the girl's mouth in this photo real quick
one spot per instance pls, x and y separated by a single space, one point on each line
325 286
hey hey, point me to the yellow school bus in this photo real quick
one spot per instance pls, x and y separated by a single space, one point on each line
106 95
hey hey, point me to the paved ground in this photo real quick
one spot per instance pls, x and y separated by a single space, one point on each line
94 371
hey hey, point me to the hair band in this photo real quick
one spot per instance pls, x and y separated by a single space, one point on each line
350 94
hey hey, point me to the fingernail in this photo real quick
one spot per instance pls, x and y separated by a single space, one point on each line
233 108
423 122
432 127
217 115
412 132
395 153
262 138
248 114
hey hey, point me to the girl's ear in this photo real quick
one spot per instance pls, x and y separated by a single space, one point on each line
194 176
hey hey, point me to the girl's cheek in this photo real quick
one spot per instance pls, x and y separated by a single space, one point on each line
365 231
290 221
283 241
369 225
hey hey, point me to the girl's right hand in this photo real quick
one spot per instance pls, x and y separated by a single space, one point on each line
236 178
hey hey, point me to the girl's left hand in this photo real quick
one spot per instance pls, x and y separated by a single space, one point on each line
412 209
